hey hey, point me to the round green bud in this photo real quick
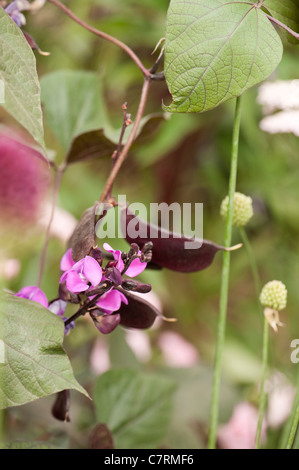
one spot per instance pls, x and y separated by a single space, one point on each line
243 210
274 295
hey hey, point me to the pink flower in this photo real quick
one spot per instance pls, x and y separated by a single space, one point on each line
33 293
111 301
79 276
58 307
136 266
240 431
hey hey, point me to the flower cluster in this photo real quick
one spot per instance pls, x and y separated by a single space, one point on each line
273 298
243 210
15 8
100 290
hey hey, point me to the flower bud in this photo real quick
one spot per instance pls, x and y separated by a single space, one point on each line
105 323
243 210
114 275
129 284
274 295
61 406
133 250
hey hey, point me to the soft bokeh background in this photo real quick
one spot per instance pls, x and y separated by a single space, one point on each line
187 161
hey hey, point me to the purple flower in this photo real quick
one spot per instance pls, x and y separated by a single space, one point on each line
136 266
106 323
33 293
14 11
111 301
79 276
58 308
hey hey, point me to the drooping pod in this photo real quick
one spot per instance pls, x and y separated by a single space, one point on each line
170 250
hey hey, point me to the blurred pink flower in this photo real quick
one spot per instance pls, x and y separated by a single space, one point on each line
10 268
176 351
140 344
240 431
99 358
281 394
24 180
63 223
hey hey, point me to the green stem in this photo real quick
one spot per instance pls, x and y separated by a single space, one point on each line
257 284
253 265
294 426
225 279
262 401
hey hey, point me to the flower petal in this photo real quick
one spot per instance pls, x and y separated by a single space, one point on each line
58 307
111 301
63 277
135 268
116 255
108 248
67 261
33 293
74 283
92 271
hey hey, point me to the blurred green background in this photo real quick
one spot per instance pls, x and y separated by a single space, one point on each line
187 160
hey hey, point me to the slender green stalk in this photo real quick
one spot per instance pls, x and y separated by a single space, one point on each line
225 279
1 428
294 425
253 265
262 401
257 284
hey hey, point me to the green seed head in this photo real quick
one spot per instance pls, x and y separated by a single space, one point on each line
243 210
274 295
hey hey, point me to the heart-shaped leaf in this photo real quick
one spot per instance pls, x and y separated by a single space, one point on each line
73 103
170 250
216 50
287 12
18 73
34 363
102 142
92 144
136 407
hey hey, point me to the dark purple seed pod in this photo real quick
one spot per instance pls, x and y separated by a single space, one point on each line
83 239
106 323
138 313
171 251
61 406
33 44
101 437
134 286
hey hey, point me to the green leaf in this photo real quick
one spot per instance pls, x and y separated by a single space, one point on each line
215 51
28 445
73 103
101 143
136 407
92 144
33 363
18 72
287 12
